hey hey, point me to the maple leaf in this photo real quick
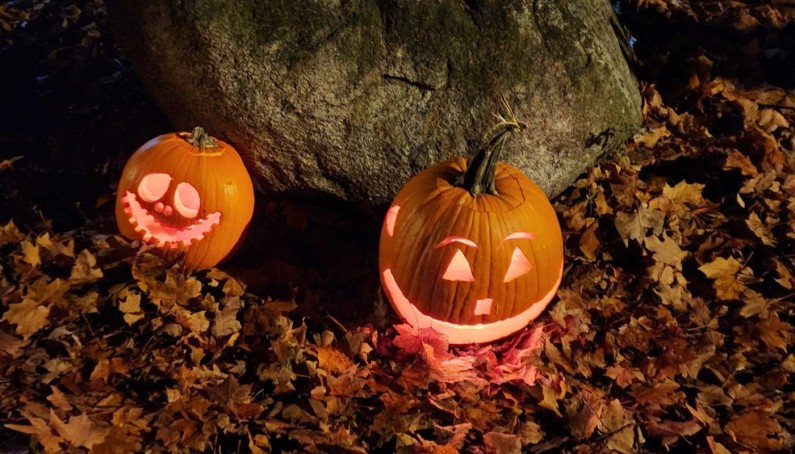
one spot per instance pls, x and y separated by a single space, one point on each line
9 344
757 430
726 274
634 226
333 360
775 333
624 376
650 137
618 423
760 229
85 269
30 253
785 279
680 199
502 443
38 427
226 322
130 306
30 316
666 251
10 234
80 431
106 367
741 162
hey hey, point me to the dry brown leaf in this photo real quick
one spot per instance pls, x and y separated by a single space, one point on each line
502 443
650 137
9 344
725 273
79 432
589 243
29 316
30 253
775 333
636 225
761 230
130 306
624 376
741 162
785 278
666 251
39 428
757 430
107 367
331 359
85 269
10 234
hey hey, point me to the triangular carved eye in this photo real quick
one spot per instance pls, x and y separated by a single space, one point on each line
458 269
154 186
519 266
187 200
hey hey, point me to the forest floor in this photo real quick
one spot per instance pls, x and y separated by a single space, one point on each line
672 329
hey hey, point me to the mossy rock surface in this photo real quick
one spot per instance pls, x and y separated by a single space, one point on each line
352 98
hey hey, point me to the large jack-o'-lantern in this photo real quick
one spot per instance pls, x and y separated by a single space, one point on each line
472 247
186 193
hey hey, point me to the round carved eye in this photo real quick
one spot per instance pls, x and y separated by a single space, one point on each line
458 269
153 186
187 200
519 266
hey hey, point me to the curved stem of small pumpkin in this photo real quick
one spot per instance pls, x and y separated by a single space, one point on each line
200 139
479 175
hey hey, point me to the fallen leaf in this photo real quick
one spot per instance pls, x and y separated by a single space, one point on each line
757 430
724 272
761 230
80 431
30 316
85 269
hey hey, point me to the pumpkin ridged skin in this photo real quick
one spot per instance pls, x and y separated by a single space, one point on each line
433 208
211 166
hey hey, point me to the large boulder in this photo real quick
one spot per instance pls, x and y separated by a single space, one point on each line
353 97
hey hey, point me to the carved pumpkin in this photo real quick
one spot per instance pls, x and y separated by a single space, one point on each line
471 247
186 193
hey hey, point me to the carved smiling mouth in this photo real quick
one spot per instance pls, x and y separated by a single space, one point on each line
463 334
152 230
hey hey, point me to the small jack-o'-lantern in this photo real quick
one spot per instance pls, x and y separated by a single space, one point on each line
186 193
471 247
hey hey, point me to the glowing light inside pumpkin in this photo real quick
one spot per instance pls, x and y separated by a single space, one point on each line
519 266
154 186
154 226
391 217
520 236
456 239
464 334
458 269
187 200
483 307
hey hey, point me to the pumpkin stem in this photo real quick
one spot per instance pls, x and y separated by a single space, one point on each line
199 138
479 175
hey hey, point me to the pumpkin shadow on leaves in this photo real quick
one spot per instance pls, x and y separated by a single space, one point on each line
317 250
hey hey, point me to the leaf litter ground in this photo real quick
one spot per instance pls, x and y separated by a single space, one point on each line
672 329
